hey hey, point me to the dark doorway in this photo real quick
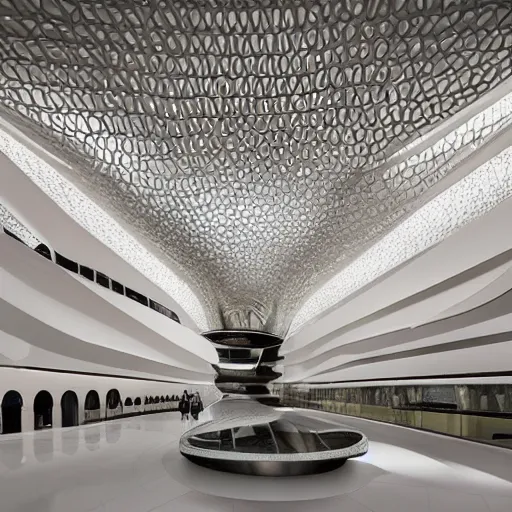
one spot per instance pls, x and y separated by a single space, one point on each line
113 399
114 403
92 401
69 407
92 406
43 407
12 403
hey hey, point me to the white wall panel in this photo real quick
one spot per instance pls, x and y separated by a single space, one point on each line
54 226
452 293
88 315
179 335
29 382
469 361
475 243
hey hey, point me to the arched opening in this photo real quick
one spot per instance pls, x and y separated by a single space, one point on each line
114 403
128 402
137 401
43 407
92 406
69 408
12 403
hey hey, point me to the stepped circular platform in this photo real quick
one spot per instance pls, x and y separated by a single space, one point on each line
240 435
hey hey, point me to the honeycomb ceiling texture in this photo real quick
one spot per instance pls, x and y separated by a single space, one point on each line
246 141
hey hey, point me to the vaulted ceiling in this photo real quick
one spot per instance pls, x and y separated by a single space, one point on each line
258 147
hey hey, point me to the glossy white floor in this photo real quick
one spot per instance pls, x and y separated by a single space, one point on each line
133 465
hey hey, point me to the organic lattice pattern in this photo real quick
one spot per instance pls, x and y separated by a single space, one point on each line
248 139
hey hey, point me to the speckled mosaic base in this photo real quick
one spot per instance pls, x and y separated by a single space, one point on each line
231 414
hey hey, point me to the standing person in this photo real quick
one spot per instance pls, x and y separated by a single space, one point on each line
184 405
196 406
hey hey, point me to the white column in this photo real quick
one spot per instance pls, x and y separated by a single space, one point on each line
27 418
57 416
81 412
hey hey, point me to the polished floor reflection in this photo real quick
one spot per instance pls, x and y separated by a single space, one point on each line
134 465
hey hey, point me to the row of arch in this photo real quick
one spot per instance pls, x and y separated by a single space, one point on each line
12 404
151 400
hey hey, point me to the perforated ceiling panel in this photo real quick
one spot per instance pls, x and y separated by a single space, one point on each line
11 223
247 140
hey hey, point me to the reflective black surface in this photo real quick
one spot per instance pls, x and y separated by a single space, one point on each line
268 468
247 362
243 338
281 436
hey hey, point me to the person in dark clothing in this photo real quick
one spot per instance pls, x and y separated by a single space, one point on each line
184 405
196 406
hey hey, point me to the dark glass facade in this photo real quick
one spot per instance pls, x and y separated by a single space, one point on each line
475 412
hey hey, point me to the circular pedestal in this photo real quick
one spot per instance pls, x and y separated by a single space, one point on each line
246 437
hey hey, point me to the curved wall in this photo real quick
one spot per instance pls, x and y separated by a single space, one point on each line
28 383
45 306
58 230
439 314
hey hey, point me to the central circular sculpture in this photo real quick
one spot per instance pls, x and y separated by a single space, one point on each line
240 435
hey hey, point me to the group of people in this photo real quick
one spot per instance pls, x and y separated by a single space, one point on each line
190 404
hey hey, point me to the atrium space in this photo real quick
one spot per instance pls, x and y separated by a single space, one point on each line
255 255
